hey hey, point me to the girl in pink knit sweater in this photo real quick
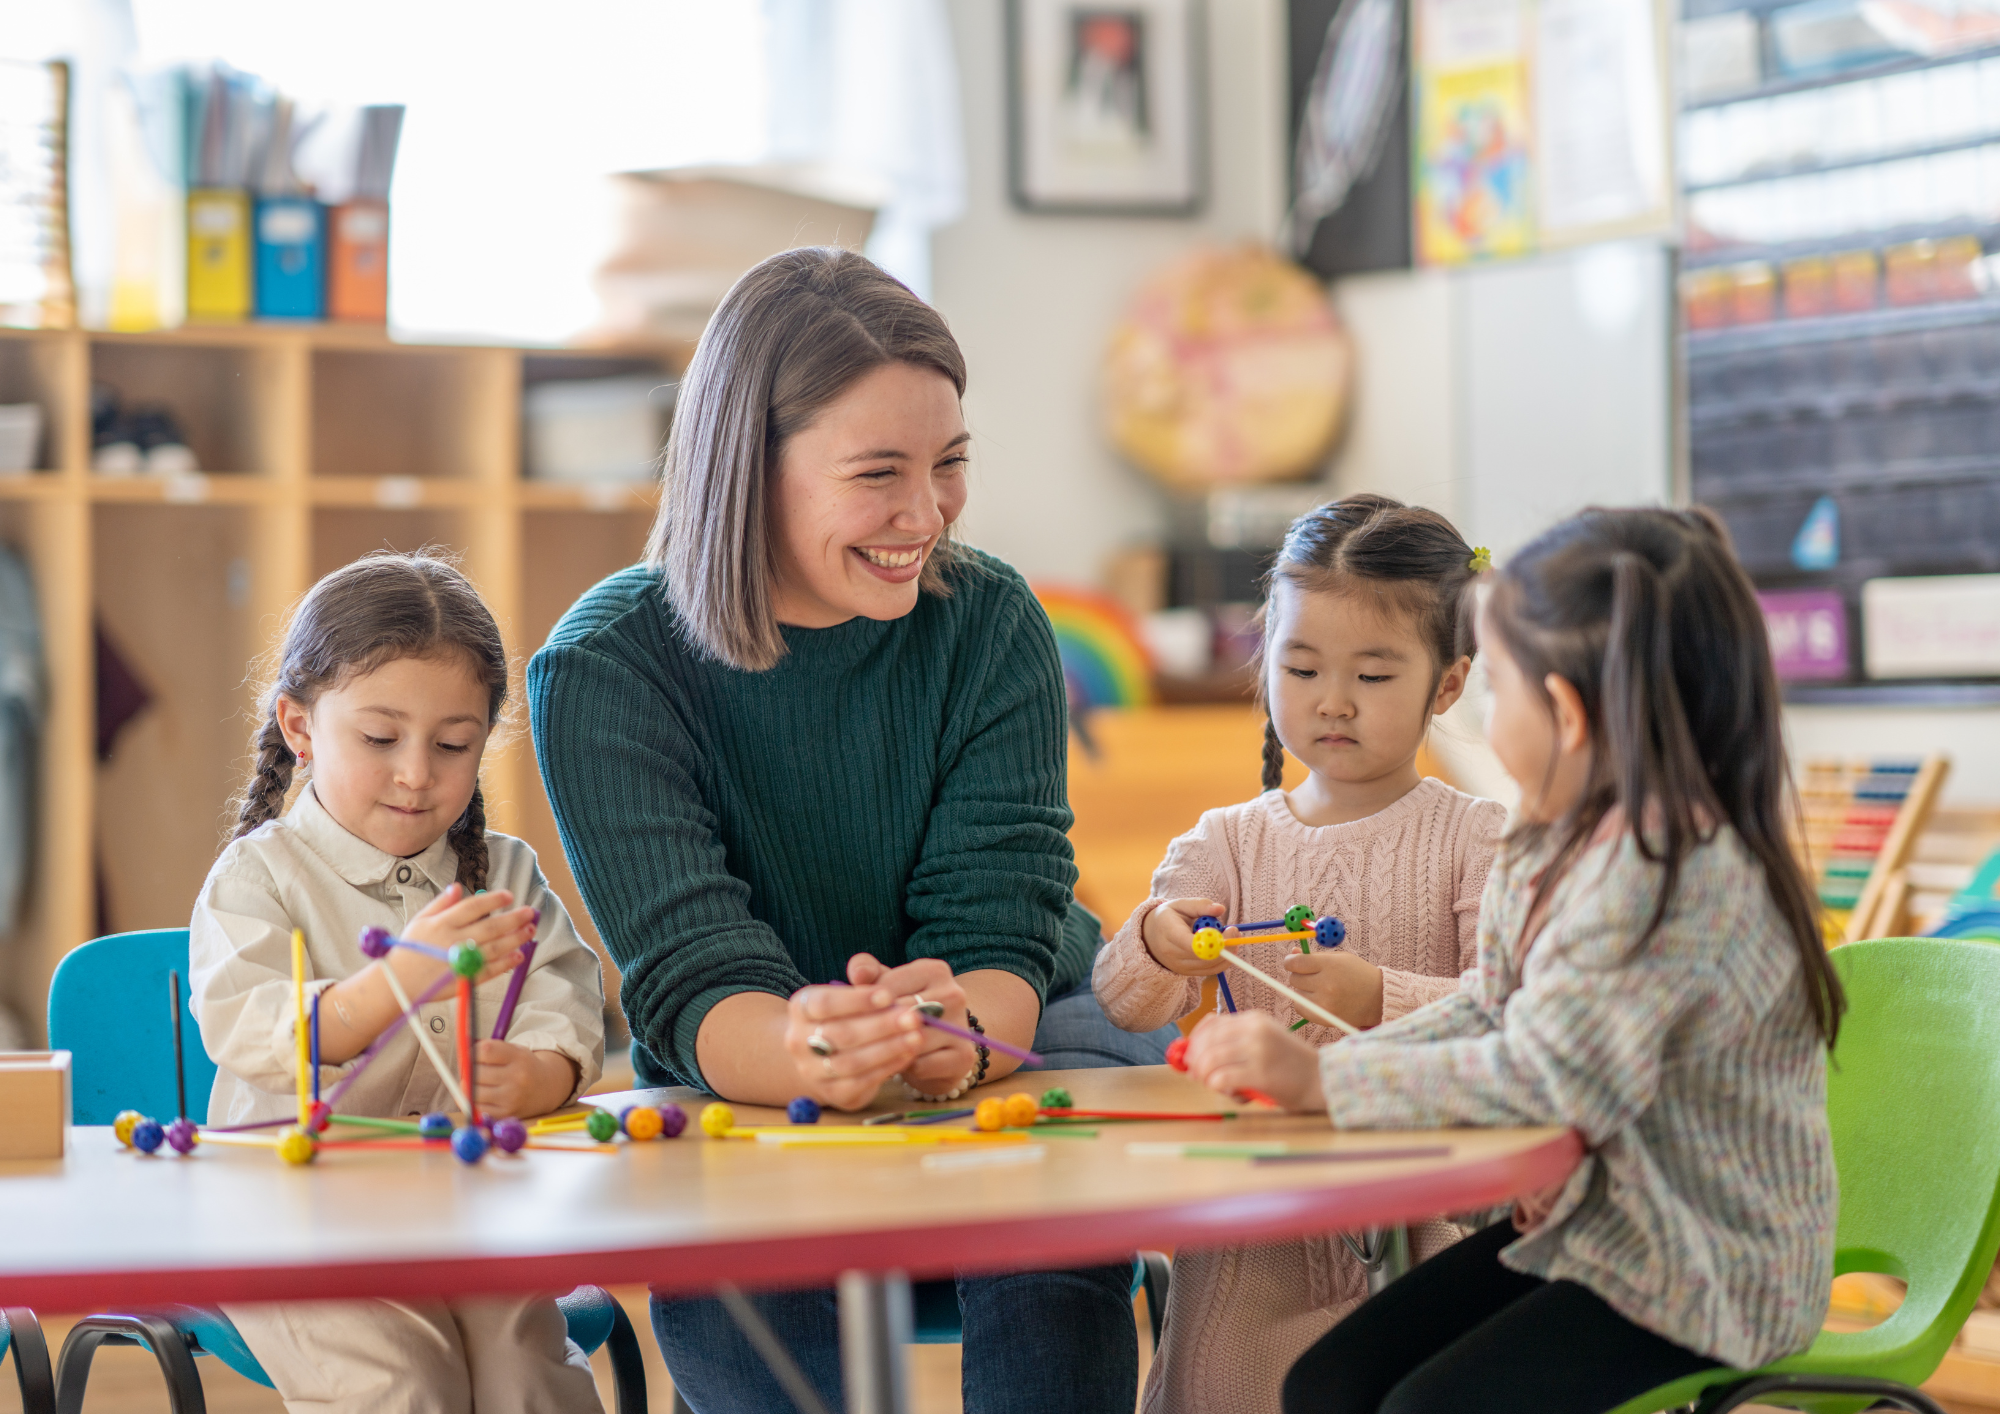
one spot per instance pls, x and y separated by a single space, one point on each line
1363 645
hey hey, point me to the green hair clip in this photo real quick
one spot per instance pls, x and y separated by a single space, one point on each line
1482 560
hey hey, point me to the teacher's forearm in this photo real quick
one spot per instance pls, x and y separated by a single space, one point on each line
1007 1007
741 1050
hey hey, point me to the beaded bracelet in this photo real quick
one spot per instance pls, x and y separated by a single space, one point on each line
973 1077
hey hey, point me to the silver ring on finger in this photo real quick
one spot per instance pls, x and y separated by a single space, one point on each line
819 1045
928 1007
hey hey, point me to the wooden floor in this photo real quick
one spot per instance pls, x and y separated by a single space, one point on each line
127 1380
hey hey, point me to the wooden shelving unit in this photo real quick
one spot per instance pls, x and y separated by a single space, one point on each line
322 443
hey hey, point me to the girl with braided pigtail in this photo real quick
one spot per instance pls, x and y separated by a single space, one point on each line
1362 648
389 683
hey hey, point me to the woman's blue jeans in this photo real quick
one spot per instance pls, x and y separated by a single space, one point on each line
1035 1342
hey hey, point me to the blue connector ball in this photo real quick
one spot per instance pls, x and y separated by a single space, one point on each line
1205 921
469 1143
1329 932
148 1135
804 1110
435 1126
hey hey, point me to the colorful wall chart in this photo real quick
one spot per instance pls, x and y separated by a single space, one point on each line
1471 148
1538 123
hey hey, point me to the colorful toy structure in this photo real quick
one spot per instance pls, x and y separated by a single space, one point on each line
1299 925
307 1133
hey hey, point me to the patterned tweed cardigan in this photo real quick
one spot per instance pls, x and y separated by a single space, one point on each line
1705 1209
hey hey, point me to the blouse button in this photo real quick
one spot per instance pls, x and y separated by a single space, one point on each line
403 874
437 1025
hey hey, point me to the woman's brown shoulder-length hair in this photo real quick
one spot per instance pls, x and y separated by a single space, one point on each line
790 337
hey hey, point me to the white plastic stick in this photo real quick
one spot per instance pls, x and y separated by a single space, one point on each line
1313 1009
437 1061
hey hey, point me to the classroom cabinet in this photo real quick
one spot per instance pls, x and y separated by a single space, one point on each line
316 444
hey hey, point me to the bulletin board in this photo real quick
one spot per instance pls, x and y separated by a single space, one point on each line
1537 123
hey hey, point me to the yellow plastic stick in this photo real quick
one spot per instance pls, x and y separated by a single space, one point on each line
305 1041
1313 1009
245 1141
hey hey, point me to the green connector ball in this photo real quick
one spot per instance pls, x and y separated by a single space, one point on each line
466 960
601 1126
1057 1098
1296 918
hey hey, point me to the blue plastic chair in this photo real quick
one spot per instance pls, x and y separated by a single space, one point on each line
23 1333
104 1009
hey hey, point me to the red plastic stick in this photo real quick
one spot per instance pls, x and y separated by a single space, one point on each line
465 1048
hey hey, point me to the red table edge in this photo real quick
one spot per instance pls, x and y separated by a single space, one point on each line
1017 1243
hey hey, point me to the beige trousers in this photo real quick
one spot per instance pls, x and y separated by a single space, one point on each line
474 1355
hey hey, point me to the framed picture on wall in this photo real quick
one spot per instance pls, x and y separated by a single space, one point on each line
1106 110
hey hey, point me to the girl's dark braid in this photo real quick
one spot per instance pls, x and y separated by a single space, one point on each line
468 842
1274 756
264 796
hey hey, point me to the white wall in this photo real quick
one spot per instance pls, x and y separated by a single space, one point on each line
1508 396
1033 298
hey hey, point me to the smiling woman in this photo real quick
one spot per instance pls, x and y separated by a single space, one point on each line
808 765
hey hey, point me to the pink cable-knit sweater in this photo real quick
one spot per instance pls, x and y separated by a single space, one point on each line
1406 881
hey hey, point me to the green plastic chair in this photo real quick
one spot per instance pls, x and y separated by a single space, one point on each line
1913 1095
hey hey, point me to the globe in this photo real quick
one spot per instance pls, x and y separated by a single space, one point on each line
1231 368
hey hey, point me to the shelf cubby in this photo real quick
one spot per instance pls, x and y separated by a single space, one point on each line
317 444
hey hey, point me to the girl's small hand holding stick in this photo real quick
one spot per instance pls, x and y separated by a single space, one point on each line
1251 1050
517 1082
1345 983
1169 935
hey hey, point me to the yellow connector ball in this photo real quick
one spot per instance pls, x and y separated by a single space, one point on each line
297 1147
717 1120
127 1121
1019 1110
1208 944
990 1114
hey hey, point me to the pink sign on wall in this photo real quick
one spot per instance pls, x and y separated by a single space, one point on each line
1808 631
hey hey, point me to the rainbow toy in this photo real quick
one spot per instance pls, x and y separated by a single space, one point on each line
1105 661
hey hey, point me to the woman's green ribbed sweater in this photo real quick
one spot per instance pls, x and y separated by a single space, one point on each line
896 788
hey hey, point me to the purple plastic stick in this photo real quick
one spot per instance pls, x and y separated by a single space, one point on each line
1019 1053
506 1017
333 1095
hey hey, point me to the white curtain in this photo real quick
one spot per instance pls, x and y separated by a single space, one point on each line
871 87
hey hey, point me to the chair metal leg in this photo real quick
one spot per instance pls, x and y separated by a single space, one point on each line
628 1364
1157 1274
1383 1251
31 1360
1882 1391
184 1394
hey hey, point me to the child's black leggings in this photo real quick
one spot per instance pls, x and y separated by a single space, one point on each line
1461 1332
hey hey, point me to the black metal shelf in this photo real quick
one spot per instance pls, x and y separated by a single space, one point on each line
1833 328
1812 169
1979 693
1885 69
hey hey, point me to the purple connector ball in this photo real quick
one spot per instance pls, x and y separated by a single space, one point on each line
673 1119
469 1143
375 941
181 1135
434 1126
804 1110
147 1135
509 1135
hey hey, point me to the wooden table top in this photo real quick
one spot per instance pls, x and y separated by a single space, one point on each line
107 1226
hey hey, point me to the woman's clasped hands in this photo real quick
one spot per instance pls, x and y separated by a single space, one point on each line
847 1040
